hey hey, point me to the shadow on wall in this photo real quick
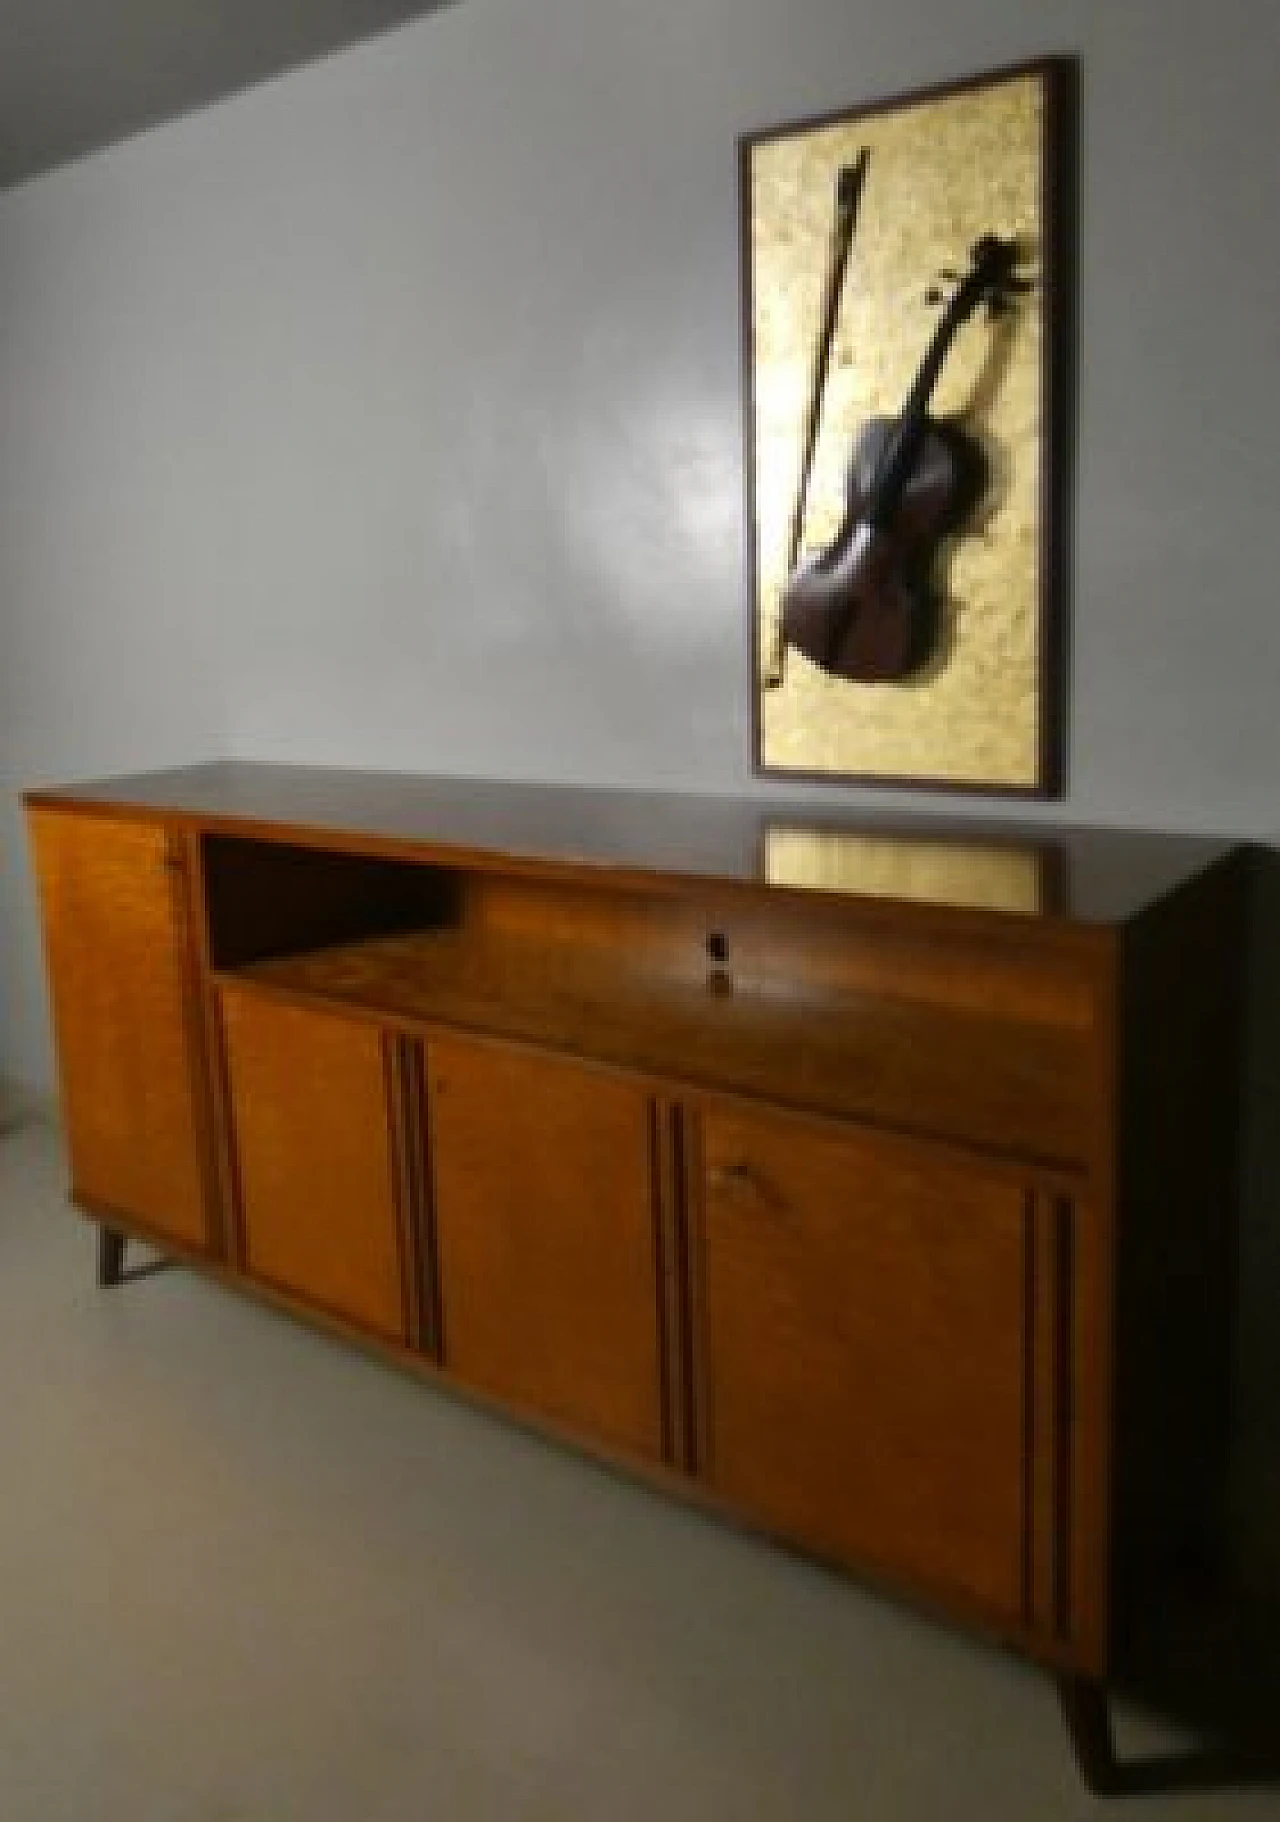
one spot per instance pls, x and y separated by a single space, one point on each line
129 68
16 1107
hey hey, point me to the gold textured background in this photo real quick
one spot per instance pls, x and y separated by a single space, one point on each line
941 173
983 875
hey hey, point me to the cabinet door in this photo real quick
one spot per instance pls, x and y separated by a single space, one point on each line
862 1309
545 1227
113 899
313 1122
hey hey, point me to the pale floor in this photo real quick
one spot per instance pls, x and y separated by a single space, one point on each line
247 1573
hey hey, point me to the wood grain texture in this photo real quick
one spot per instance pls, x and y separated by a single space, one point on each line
864 1310
211 1060
1049 1368
669 1140
405 1067
794 947
116 940
811 1206
319 1201
607 837
1001 1082
545 1209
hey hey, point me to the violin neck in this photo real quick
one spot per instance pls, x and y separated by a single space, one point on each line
900 451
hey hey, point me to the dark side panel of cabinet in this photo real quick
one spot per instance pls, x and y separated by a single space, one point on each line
545 1224
863 1311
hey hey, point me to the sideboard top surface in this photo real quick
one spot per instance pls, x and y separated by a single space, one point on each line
1038 872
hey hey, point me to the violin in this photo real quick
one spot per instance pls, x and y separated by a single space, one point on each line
863 608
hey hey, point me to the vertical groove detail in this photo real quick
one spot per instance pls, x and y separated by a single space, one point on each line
425 1215
1030 1426
237 1226
1048 1429
1064 1355
664 1268
183 866
689 1173
403 1064
393 1079
411 1090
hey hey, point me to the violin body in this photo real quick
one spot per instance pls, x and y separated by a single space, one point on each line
864 607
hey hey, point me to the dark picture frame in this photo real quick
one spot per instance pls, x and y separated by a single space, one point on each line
1054 270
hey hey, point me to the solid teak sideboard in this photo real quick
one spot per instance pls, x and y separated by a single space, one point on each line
870 1183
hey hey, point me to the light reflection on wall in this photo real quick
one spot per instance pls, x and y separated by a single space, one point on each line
650 492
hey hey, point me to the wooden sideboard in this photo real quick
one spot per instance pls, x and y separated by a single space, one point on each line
870 1183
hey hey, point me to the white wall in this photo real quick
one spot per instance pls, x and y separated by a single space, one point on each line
390 414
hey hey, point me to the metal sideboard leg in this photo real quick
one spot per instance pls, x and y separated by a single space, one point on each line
1087 1713
111 1247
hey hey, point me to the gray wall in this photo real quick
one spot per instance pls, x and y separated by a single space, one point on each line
389 415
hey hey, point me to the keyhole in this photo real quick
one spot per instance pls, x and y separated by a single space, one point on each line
719 980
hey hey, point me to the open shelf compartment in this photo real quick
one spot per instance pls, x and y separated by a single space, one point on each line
795 1004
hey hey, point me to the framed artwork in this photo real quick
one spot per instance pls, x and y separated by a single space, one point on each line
906 301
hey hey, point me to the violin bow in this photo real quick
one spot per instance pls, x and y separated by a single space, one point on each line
849 182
